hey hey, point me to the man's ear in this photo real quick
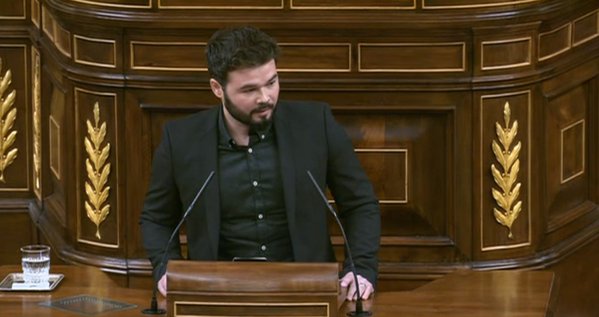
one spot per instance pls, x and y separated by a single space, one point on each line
217 89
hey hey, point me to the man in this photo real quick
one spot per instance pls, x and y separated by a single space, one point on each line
261 202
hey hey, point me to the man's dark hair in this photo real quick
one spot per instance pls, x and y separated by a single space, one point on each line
231 49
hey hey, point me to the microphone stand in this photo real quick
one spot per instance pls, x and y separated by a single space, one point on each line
359 312
154 310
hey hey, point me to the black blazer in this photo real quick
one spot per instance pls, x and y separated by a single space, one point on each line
308 138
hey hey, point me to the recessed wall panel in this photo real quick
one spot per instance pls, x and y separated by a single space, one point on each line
399 152
15 168
470 4
12 9
353 4
308 57
505 170
95 51
554 42
585 28
508 53
169 56
566 184
116 3
220 4
97 169
412 57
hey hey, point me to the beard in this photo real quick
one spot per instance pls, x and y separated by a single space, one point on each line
257 124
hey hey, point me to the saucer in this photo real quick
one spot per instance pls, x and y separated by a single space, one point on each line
14 282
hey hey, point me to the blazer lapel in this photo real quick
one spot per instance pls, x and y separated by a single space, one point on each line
285 143
206 147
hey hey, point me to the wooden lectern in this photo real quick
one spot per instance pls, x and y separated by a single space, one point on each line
197 288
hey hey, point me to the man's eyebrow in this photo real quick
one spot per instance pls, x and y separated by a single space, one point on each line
250 86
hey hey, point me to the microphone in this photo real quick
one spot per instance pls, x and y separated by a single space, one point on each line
154 310
359 312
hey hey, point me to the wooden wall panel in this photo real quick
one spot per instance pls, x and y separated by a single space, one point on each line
315 57
554 42
502 114
98 52
171 56
56 33
468 4
56 124
219 4
97 145
393 149
17 230
15 169
13 10
585 28
55 146
565 142
122 4
509 53
36 13
412 57
353 4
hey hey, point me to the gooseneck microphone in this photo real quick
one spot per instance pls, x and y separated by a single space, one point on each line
359 312
154 310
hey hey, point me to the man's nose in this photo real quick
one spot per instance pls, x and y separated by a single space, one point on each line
263 96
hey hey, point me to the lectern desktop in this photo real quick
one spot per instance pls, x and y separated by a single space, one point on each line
458 294
252 289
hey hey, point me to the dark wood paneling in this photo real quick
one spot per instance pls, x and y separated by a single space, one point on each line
298 57
506 53
14 9
15 173
95 51
171 56
219 4
470 4
585 28
578 275
122 4
353 4
393 148
36 14
96 132
567 180
412 57
497 114
554 42
17 230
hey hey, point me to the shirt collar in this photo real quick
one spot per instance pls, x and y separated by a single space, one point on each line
225 139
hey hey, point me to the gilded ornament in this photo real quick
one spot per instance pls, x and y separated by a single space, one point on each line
508 157
8 116
37 119
98 171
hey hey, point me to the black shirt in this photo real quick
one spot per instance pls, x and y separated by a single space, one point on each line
253 218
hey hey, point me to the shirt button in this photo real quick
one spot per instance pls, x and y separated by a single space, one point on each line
255 183
260 216
263 248
250 150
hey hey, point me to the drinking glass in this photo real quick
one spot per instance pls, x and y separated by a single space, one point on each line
35 261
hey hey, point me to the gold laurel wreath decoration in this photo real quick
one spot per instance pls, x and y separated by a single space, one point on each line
37 123
8 115
98 171
508 193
